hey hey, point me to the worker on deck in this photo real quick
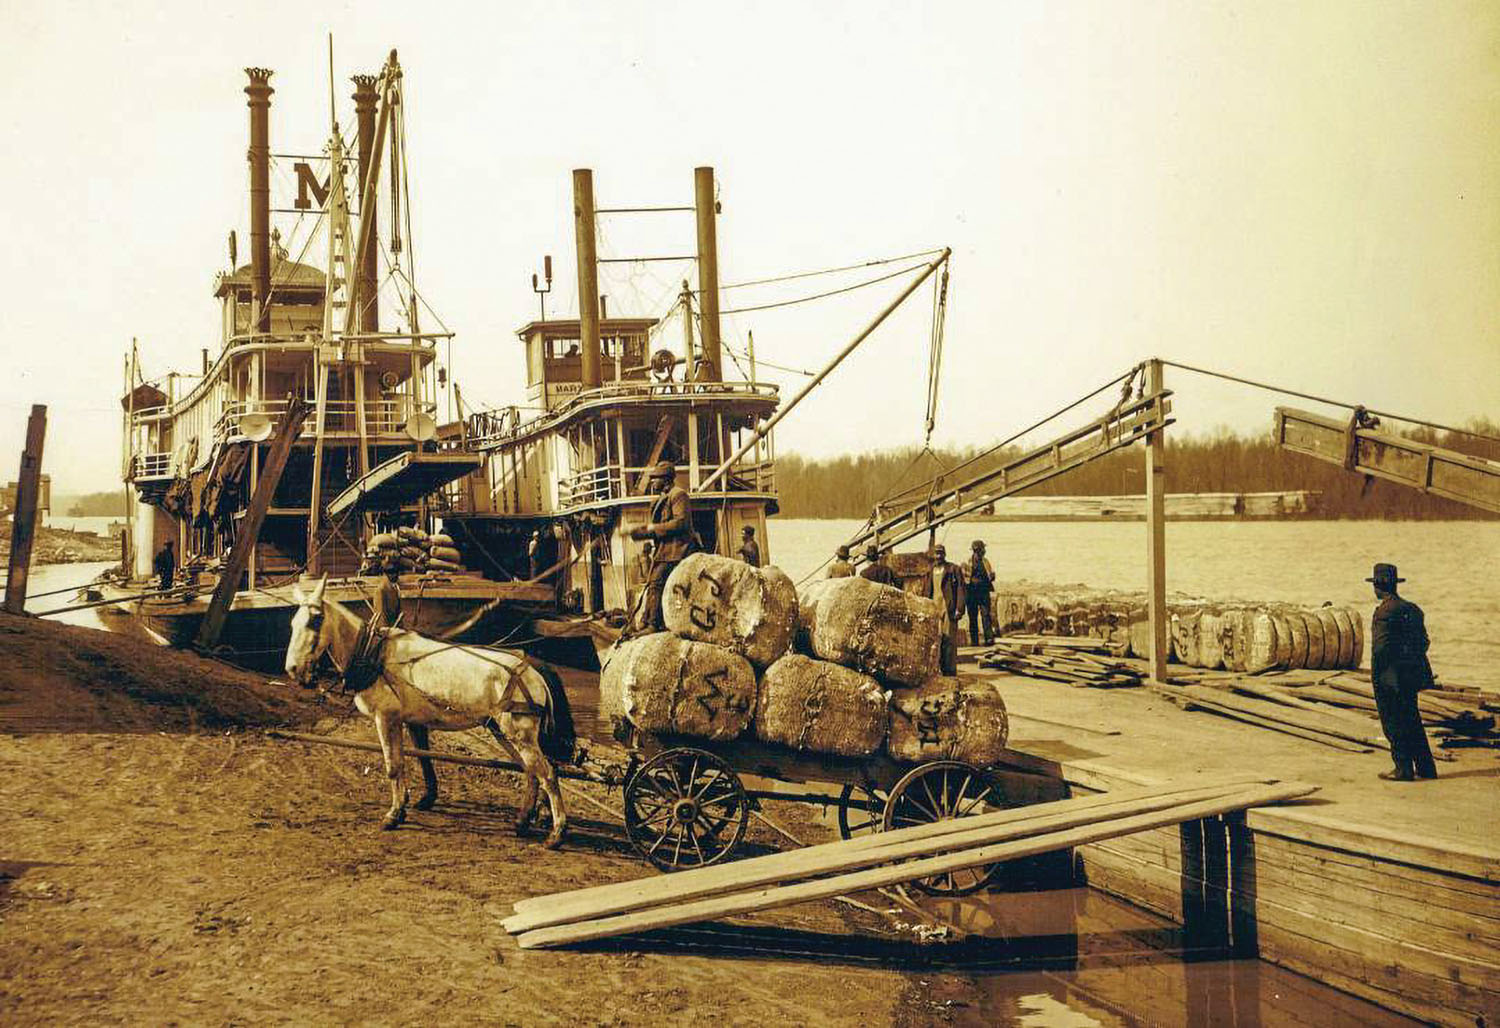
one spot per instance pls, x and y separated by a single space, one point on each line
385 609
670 525
749 548
165 565
841 568
1398 671
945 585
876 569
979 584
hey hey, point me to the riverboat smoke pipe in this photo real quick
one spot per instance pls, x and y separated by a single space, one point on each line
588 277
764 430
259 91
706 208
366 101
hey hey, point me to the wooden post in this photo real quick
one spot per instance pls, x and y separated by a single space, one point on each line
23 521
588 277
688 366
315 500
1156 535
239 555
706 210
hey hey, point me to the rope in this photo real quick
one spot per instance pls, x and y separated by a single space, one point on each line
1332 403
828 271
825 295
935 350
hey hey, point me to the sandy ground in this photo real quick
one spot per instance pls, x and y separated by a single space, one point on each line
163 861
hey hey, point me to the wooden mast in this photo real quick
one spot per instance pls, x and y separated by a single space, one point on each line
1156 534
588 277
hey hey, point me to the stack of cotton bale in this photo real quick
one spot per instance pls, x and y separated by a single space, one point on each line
891 637
413 550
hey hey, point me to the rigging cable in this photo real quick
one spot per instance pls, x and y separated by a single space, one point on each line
935 351
1332 403
831 292
829 271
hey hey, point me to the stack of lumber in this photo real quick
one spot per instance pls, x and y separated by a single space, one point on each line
877 860
1078 662
1281 712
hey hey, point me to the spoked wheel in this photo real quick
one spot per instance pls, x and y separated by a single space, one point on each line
861 810
685 808
945 790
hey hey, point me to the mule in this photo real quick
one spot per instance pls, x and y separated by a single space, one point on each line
424 684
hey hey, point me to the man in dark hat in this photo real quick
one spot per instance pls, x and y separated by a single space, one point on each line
670 525
1398 671
165 565
876 569
749 548
841 568
979 582
945 586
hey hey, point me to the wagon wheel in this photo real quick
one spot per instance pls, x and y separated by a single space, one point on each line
861 810
685 808
942 791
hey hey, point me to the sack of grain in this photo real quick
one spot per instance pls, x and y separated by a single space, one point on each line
434 564
447 553
670 686
383 541
440 539
949 718
713 599
813 705
412 554
872 628
408 534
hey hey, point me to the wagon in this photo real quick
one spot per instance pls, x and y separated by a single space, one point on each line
687 802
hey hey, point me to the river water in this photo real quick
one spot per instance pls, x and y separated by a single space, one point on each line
1452 567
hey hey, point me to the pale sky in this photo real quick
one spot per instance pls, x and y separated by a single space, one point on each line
1303 193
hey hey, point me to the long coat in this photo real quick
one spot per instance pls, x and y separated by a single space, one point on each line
1398 646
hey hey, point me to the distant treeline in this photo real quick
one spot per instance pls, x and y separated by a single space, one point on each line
850 486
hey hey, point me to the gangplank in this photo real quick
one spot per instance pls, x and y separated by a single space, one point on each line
1129 422
1356 445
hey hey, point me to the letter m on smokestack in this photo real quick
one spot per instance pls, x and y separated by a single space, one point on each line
307 182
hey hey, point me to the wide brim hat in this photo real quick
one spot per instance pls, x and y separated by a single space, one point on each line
1384 573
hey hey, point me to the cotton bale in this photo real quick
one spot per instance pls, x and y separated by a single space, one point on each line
1333 642
1184 631
1261 650
1315 639
1210 639
1283 638
818 706
1357 622
670 686
949 719
1347 637
873 628
713 599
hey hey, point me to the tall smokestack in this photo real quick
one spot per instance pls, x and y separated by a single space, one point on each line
365 104
708 272
588 276
259 91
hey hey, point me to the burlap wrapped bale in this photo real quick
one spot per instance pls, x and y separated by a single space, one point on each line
1333 642
1283 637
1261 653
872 628
1184 631
383 541
949 719
1210 639
1314 639
440 539
1348 637
447 553
1357 622
719 600
814 705
670 686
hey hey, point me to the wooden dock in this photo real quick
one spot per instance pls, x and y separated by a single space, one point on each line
1387 890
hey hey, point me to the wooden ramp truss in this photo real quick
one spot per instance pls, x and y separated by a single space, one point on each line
877 860
1395 458
1127 423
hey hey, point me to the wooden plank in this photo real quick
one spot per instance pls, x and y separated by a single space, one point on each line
23 521
1370 874
1276 726
1324 724
287 431
744 902
859 852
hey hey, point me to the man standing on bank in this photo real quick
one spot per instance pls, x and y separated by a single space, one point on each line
945 585
749 548
165 565
671 526
841 568
1398 671
979 582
